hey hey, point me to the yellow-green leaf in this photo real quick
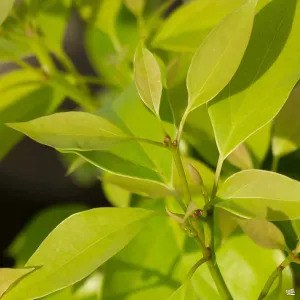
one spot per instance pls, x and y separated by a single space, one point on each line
148 78
219 55
261 194
72 131
5 7
10 276
135 6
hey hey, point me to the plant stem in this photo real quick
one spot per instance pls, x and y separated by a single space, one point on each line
195 267
217 177
218 279
273 277
181 173
181 125
158 144
275 163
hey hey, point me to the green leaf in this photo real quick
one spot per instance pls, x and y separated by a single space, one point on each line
265 78
107 15
24 97
185 292
220 55
143 272
116 195
135 6
182 31
261 194
265 234
286 126
148 78
227 224
8 277
245 277
32 235
77 247
72 131
5 7
144 187
241 158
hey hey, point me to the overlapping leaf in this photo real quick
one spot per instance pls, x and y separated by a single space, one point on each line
265 78
77 247
219 55
182 30
5 7
261 194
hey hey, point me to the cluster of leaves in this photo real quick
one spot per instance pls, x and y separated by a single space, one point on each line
183 97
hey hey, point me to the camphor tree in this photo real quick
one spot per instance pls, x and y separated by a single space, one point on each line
210 86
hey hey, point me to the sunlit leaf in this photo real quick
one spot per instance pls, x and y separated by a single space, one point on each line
138 272
31 236
261 194
77 247
10 276
265 78
286 137
219 55
23 97
72 131
185 292
148 78
182 30
116 195
263 233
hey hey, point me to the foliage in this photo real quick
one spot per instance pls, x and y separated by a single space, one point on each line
210 85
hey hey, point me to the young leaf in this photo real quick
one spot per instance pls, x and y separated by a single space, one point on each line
263 233
135 6
286 137
261 194
265 78
77 247
148 78
10 276
5 7
219 55
72 131
182 31
116 195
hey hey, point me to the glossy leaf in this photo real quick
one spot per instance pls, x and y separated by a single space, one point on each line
72 131
138 272
5 7
263 233
241 158
219 55
24 97
185 292
286 126
182 31
135 6
261 194
265 78
77 247
148 78
32 235
8 277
